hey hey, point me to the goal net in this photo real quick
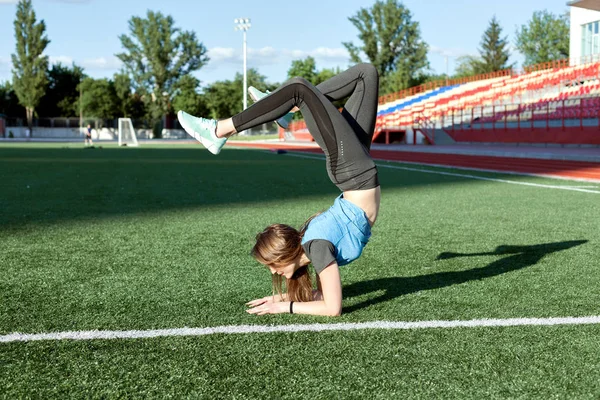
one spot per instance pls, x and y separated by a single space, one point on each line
126 133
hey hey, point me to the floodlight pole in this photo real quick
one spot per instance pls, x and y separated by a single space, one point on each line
446 69
243 24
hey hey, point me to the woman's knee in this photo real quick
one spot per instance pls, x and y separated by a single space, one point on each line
298 80
368 69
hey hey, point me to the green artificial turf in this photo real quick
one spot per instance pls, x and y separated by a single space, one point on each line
159 237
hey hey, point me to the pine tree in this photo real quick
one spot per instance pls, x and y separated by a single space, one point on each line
494 52
29 65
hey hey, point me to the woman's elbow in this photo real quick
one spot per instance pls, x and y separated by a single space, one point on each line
334 311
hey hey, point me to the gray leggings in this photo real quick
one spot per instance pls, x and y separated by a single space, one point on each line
345 137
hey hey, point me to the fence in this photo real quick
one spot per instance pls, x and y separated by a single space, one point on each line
103 129
566 112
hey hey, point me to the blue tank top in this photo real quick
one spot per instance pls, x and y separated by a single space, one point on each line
345 225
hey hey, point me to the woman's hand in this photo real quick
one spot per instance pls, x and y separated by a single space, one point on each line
268 307
263 300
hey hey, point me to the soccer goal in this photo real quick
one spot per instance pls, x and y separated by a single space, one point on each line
126 133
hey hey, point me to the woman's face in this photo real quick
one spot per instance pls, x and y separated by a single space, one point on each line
285 270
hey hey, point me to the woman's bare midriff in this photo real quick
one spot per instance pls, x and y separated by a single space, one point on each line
368 200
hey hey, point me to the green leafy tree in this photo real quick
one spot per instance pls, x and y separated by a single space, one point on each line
494 50
9 102
60 99
544 38
223 99
392 43
138 108
188 97
325 74
157 55
29 65
467 65
432 77
122 85
306 68
99 98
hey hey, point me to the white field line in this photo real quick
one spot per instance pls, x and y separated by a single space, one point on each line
293 328
428 171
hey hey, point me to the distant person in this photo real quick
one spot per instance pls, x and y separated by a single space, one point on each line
338 235
88 136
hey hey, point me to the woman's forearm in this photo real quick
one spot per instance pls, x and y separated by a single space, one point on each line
318 307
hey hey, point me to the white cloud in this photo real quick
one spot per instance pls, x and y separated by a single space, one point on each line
102 63
265 52
65 60
320 54
450 52
8 1
220 56
327 54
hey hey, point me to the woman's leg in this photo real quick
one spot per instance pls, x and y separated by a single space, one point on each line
349 164
361 83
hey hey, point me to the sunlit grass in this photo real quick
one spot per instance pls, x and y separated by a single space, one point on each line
159 237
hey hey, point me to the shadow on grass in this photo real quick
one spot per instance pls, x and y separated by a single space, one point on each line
519 257
54 184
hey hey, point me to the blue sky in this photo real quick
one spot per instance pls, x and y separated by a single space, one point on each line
86 31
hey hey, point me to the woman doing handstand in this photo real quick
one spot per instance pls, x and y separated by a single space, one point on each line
338 235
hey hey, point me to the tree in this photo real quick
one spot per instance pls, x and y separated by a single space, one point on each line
544 38
60 99
306 68
9 102
392 43
29 65
493 51
188 98
467 66
325 74
122 85
157 55
99 98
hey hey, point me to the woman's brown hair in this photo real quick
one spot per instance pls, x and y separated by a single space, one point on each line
280 245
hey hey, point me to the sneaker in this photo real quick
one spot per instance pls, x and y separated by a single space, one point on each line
203 130
256 95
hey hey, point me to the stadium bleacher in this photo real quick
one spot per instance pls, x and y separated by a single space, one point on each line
553 94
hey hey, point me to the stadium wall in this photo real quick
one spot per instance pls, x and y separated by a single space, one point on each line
20 132
587 135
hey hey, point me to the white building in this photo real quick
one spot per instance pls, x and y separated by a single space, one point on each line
584 43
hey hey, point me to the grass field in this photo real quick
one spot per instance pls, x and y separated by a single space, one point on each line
158 237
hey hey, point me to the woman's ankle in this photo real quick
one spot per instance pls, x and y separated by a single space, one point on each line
225 128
